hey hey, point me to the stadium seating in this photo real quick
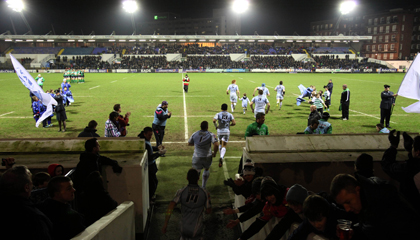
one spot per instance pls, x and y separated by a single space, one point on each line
36 50
77 51
99 50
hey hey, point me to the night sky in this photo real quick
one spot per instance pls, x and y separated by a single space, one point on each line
105 16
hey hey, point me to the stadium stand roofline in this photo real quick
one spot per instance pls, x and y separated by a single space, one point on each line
178 38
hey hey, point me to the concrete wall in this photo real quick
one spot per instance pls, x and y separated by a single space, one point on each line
314 160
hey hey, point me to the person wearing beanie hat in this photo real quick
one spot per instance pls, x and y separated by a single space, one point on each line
55 170
364 165
243 186
324 127
295 198
253 205
387 102
265 90
159 122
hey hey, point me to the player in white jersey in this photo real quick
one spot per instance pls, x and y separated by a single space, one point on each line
245 101
281 90
194 200
224 120
202 157
234 93
260 102
264 89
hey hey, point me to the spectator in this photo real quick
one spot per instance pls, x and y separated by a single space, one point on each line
324 126
382 212
314 114
95 202
21 220
152 154
55 170
191 211
39 192
122 120
364 165
243 186
91 161
320 218
274 207
381 129
258 127
67 222
330 86
90 130
159 122
253 205
111 126
311 129
405 171
387 102
295 198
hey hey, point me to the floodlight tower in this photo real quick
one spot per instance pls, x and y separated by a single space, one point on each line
18 6
130 6
345 8
239 7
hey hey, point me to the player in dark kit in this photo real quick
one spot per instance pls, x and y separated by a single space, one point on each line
186 81
388 100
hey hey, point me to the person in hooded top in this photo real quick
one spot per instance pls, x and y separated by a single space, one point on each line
90 130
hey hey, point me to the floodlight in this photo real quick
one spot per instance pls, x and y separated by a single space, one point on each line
130 6
347 7
15 5
240 6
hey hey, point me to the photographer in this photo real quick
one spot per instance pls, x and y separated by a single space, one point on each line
60 110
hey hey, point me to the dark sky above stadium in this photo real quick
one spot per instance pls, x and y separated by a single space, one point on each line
105 16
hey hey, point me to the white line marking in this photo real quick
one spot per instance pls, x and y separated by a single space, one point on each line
94 87
17 117
360 80
251 81
6 114
182 96
225 171
115 81
240 78
369 115
270 86
185 111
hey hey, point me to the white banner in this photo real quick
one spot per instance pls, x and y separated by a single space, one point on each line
410 86
29 82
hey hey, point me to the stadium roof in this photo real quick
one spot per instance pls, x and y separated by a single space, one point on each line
179 38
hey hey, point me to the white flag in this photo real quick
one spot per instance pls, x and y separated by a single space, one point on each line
410 86
29 82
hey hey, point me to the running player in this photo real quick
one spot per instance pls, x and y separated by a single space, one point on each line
260 102
245 101
202 157
224 118
264 89
281 90
234 93
194 200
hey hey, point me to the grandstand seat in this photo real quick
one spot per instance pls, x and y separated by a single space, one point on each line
77 51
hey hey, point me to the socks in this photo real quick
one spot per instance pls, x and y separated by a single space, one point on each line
222 152
206 175
281 103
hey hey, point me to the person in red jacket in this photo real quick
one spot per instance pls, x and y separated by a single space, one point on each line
122 120
186 81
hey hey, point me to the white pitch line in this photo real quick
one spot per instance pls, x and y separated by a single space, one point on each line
94 87
81 96
185 111
360 80
186 141
225 171
6 114
240 78
114 81
182 96
251 81
369 115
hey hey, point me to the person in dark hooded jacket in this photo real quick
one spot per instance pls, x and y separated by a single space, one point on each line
90 130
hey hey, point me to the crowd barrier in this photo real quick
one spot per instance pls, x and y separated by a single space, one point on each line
117 224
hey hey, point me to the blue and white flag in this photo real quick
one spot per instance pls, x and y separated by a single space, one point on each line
410 86
29 82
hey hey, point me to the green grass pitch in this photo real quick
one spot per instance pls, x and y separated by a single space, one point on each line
141 93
